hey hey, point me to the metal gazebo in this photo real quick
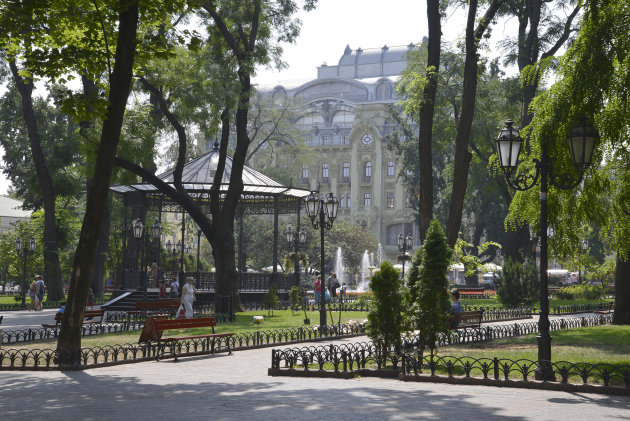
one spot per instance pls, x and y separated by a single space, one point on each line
261 195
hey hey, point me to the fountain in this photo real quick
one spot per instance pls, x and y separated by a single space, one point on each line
364 275
380 255
340 270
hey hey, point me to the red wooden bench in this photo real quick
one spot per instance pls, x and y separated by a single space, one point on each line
162 324
89 317
466 319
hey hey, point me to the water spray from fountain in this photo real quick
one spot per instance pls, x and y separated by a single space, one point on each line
340 270
364 281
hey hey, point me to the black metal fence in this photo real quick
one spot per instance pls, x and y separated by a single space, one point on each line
367 358
206 281
46 304
90 357
580 308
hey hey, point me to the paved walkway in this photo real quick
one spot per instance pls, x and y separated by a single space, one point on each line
236 387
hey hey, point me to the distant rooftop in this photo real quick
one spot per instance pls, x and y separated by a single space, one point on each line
368 63
13 208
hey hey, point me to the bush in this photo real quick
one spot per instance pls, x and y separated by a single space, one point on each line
586 292
385 319
517 284
430 302
294 298
271 299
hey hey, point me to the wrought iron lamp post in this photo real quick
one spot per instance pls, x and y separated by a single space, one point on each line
300 238
23 245
322 214
584 250
156 231
404 245
138 229
581 144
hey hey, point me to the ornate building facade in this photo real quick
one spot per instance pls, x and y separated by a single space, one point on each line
344 117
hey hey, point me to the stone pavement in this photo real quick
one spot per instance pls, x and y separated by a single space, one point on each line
236 387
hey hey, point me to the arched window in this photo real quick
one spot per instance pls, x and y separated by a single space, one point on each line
383 91
343 119
309 121
367 171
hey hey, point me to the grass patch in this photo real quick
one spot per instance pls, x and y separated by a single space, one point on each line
595 345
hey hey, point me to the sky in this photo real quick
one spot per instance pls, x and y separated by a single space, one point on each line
358 23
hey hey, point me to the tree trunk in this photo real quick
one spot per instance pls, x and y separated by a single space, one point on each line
622 292
52 268
98 272
425 120
469 95
69 343
223 252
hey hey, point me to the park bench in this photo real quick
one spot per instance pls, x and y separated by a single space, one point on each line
89 317
156 326
466 319
155 308
611 309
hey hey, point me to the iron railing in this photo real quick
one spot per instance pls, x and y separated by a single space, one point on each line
246 281
90 357
368 358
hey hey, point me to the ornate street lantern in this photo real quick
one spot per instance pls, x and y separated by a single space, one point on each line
582 141
156 229
137 227
509 144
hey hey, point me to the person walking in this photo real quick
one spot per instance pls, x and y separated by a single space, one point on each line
162 289
40 289
188 296
154 274
33 295
90 300
318 288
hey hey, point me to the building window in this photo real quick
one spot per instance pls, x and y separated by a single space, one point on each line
367 199
348 200
341 200
408 201
367 171
325 140
325 173
390 200
390 168
345 172
345 139
304 173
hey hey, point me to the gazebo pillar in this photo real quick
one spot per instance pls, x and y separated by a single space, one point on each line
274 275
123 269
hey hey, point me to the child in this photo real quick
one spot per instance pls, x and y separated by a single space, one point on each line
90 300
162 289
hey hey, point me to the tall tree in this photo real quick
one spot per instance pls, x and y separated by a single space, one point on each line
425 117
592 80
474 34
242 34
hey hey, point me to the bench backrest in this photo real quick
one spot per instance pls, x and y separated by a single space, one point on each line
88 314
171 303
162 325
468 315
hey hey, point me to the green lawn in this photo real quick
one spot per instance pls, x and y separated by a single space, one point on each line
493 302
10 299
244 323
595 345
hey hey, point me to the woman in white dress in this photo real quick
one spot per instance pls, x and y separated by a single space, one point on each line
188 296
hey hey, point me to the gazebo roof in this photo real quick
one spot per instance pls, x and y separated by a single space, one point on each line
197 178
